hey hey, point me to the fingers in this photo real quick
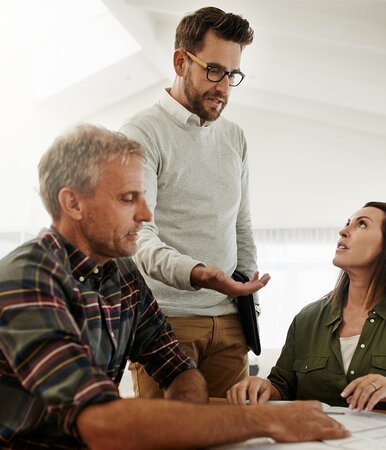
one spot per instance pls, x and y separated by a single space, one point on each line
211 277
329 428
253 392
255 389
305 421
251 286
234 396
376 397
220 275
264 396
255 277
258 391
237 394
262 281
364 393
350 388
333 430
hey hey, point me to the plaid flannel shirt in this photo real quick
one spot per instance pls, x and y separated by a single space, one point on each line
67 328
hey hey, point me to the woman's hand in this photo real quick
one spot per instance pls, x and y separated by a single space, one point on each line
364 393
256 389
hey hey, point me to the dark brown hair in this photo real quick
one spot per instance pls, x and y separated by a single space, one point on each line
377 284
191 31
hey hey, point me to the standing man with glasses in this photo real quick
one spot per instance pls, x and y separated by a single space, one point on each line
197 188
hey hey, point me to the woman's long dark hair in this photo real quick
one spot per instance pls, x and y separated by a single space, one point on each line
377 285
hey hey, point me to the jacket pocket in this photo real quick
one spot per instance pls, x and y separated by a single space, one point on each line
379 362
309 364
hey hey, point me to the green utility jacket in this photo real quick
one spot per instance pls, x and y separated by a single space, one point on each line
310 365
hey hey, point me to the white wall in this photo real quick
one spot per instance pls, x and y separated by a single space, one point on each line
309 174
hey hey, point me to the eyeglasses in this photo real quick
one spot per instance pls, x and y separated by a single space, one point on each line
215 74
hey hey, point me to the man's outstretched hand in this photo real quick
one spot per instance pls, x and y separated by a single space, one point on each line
211 277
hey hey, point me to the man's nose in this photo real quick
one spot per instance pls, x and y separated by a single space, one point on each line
223 85
143 214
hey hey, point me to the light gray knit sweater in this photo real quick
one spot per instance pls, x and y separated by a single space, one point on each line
197 188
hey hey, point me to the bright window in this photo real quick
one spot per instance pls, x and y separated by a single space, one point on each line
301 269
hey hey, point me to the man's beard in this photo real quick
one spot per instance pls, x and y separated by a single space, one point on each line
196 101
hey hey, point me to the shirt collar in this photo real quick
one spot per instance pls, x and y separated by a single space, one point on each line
381 309
335 314
82 266
179 112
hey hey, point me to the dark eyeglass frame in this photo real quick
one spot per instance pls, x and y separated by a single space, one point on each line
208 68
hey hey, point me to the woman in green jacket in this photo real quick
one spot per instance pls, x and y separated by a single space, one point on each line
335 349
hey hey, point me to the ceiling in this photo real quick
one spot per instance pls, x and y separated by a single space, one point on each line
319 59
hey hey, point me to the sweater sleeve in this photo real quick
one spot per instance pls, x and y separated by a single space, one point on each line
246 249
155 258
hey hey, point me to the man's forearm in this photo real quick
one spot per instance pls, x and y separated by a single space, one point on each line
189 386
162 262
147 424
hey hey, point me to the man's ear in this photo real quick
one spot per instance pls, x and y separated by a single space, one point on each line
70 203
179 61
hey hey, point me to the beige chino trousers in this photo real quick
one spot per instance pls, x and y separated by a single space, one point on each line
217 346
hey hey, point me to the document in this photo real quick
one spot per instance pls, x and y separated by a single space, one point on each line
269 444
368 432
368 429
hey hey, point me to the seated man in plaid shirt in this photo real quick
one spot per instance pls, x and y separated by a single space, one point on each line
74 308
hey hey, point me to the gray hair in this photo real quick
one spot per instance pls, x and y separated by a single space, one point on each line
73 161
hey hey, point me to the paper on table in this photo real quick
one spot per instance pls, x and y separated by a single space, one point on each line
368 429
270 444
368 432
